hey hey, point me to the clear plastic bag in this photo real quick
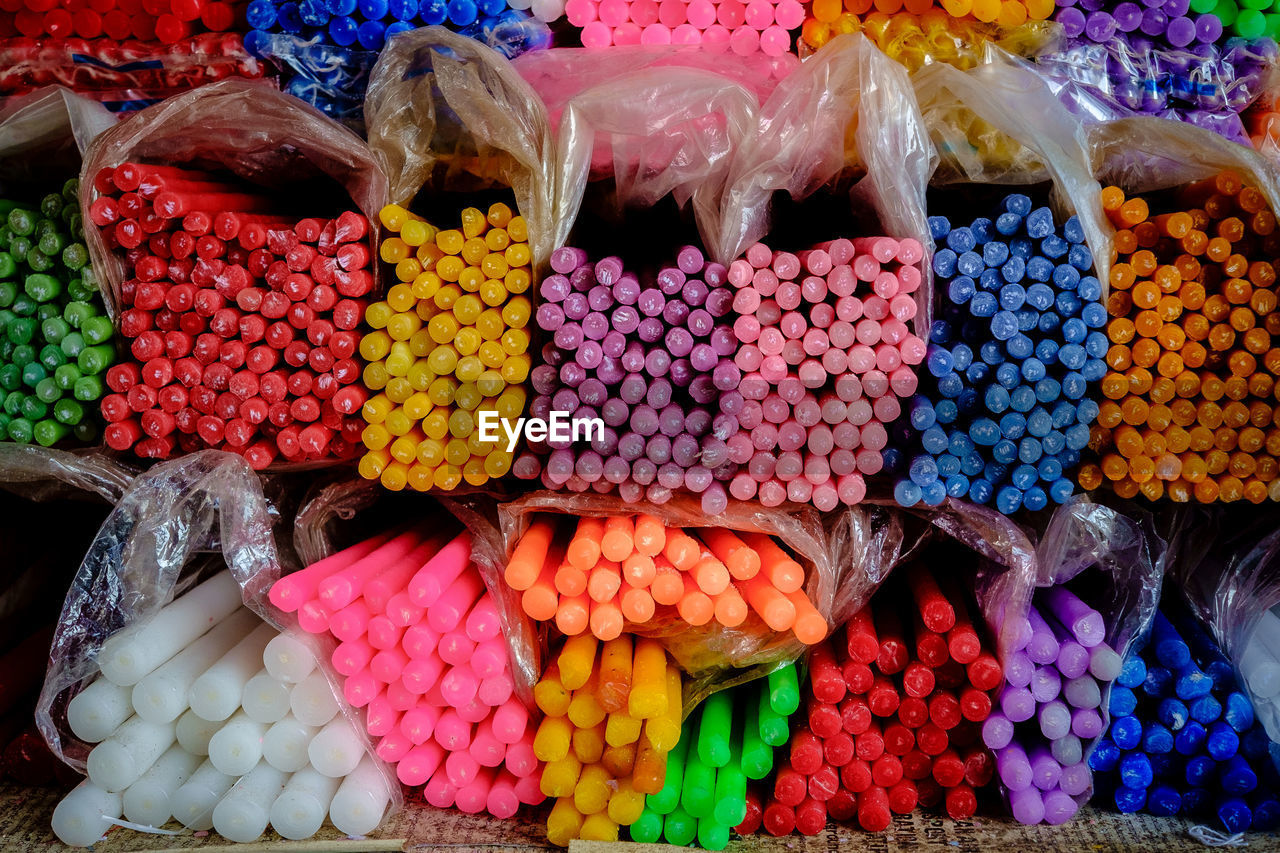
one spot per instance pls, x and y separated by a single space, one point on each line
666 128
332 79
1227 565
1122 560
714 657
1006 575
181 521
43 136
446 112
53 123
999 123
1141 155
559 74
251 129
866 541
1208 86
43 473
799 146
330 511
438 100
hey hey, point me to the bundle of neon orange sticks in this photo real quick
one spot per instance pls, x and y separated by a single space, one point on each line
600 574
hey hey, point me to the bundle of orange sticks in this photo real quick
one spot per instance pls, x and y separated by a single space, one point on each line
600 574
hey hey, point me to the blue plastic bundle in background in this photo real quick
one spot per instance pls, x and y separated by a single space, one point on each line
327 48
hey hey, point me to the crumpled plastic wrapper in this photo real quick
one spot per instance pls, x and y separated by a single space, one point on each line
1146 154
1227 565
438 100
46 133
44 473
448 113
249 128
998 123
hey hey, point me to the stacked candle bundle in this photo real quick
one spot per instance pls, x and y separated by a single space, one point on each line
917 39
1162 23
1189 405
718 24
56 340
117 67
1204 83
726 742
1012 358
895 715
1183 739
653 360
164 21
824 367
1051 707
368 24
448 350
613 715
1006 13
600 574
421 650
240 320
208 715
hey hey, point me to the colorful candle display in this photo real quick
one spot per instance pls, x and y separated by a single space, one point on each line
825 365
653 360
1183 740
612 718
1050 710
595 576
449 350
727 743
762 26
1012 356
241 322
1188 394
56 341
156 757
895 713
421 650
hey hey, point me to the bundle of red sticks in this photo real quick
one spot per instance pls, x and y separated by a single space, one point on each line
242 322
894 715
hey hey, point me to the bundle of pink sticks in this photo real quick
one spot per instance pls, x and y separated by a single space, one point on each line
421 649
